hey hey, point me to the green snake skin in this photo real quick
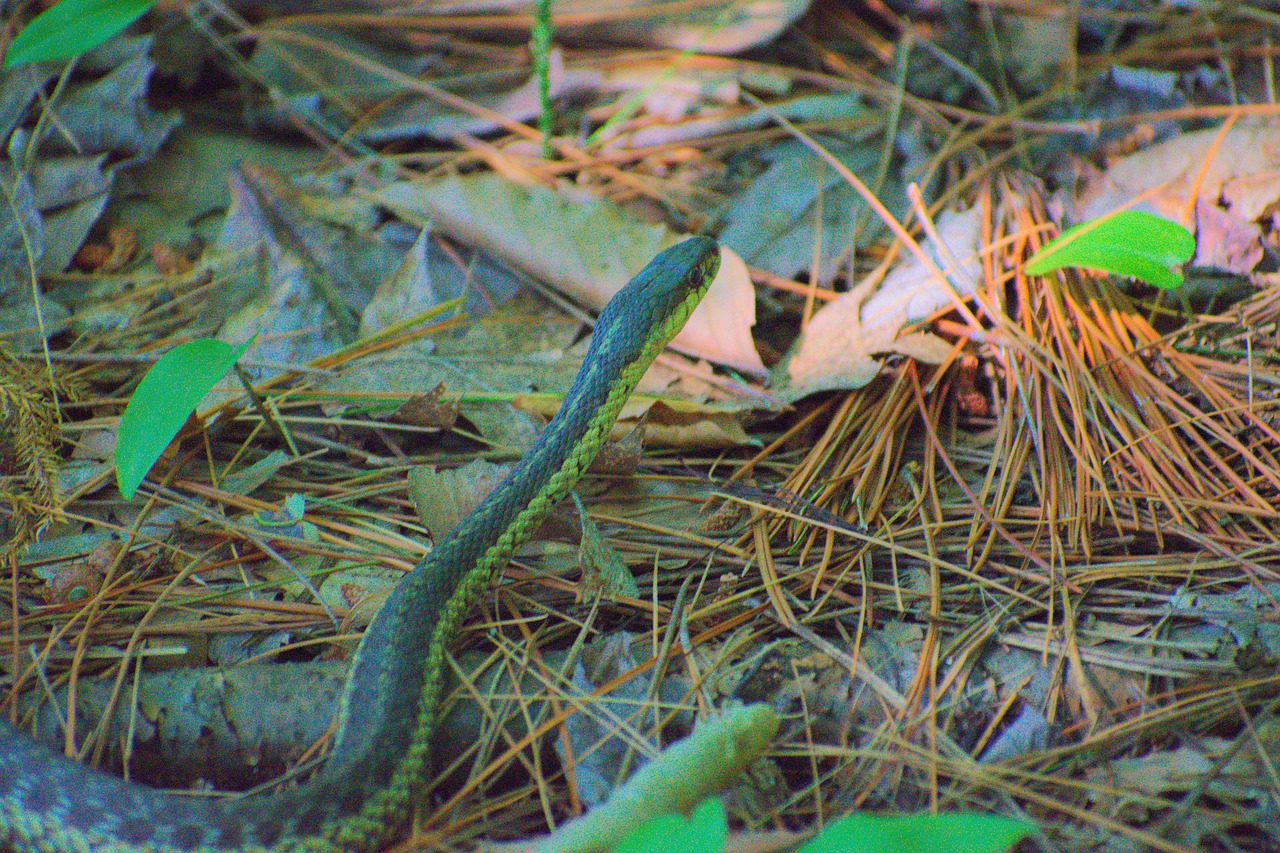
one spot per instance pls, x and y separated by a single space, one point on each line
363 797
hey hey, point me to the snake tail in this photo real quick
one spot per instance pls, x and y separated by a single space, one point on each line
375 774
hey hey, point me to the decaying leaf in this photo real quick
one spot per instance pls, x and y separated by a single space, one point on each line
444 496
668 423
428 410
1216 184
584 246
839 347
603 571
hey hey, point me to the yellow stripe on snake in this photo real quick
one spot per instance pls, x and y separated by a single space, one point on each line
363 797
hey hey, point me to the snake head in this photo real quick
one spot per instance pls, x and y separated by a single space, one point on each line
654 305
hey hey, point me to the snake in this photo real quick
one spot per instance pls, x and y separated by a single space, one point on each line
375 775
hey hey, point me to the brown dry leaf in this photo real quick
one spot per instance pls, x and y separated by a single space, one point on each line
584 246
671 424
1245 174
1224 241
361 592
443 497
170 260
1235 177
1123 691
81 579
123 241
428 410
112 256
667 423
839 346
603 570
622 457
91 257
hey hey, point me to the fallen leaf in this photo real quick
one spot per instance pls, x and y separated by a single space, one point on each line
1226 242
584 246
112 256
839 346
667 422
1241 181
443 497
170 260
603 571
428 410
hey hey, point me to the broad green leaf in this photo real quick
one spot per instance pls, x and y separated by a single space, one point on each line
72 27
704 831
938 833
1131 242
163 401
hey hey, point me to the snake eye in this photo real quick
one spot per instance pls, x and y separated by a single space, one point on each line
685 270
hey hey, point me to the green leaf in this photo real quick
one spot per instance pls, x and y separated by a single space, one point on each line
163 401
1131 242
72 27
704 831
937 833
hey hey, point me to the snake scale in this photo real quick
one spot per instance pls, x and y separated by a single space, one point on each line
363 797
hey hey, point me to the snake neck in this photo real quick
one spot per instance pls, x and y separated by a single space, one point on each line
461 565
390 708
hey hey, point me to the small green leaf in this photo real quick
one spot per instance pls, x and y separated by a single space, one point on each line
938 833
1131 242
72 27
163 401
704 831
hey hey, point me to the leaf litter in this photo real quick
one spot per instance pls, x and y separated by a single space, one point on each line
1019 558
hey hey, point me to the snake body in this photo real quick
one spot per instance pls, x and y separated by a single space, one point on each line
363 797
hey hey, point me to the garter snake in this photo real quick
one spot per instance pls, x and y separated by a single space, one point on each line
363 797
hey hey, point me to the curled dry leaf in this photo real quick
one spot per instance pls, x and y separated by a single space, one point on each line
1245 174
361 592
113 256
170 259
620 458
1226 242
81 579
839 347
727 518
428 410
667 423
